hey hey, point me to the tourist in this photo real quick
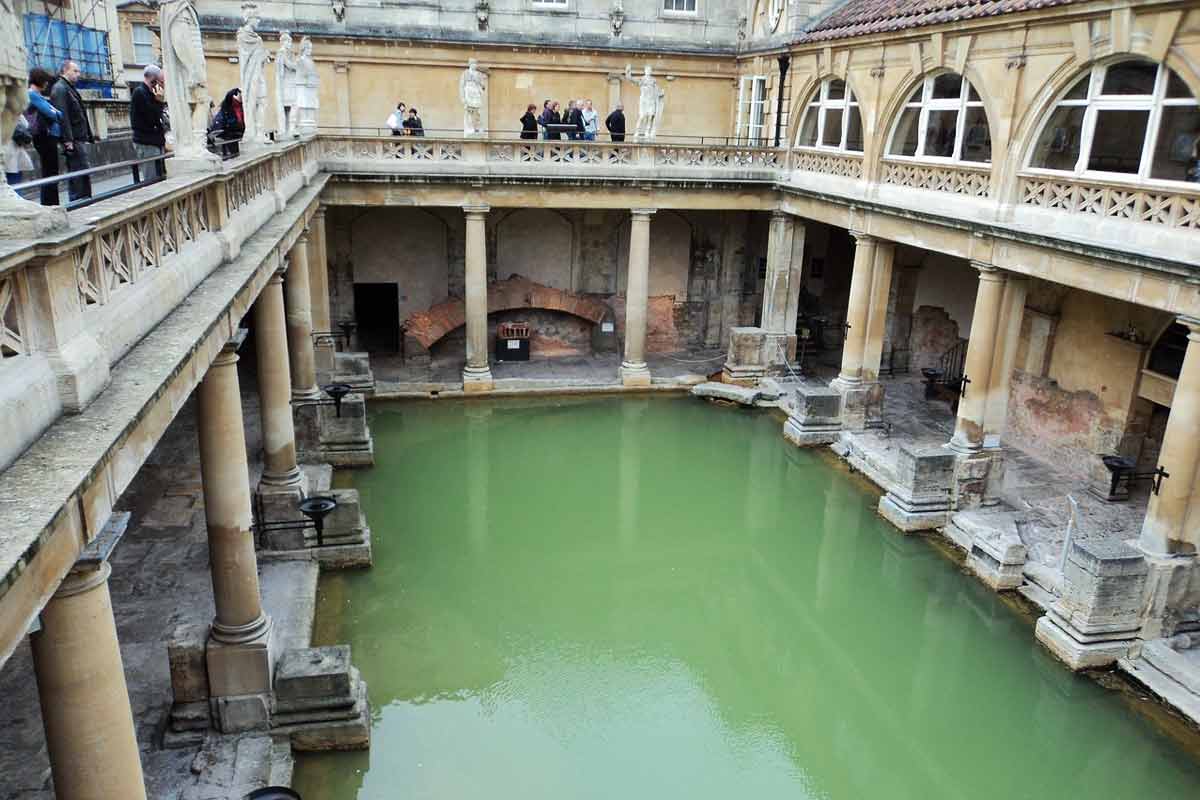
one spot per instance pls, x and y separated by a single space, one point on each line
413 124
146 107
591 121
549 117
615 122
228 126
16 157
43 119
529 123
568 118
395 120
76 130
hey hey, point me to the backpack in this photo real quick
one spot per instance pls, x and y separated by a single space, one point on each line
35 123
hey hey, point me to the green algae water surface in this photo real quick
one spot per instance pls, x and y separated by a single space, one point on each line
656 598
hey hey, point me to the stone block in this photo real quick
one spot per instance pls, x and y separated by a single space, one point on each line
920 497
747 359
997 556
854 403
237 714
238 669
971 479
815 416
1102 591
729 392
1076 653
189 669
313 672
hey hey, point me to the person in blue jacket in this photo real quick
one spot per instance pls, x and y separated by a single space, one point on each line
44 121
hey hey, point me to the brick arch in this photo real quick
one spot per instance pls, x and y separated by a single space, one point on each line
429 326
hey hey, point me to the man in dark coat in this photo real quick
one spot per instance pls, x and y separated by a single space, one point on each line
576 119
146 109
76 130
615 122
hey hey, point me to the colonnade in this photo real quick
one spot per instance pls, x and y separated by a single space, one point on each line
90 731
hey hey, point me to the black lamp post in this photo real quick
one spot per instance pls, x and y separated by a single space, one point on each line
316 508
273 793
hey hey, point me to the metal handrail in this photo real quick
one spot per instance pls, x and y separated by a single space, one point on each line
132 164
515 135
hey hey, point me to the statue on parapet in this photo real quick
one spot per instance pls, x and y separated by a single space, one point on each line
252 64
650 104
185 77
286 68
470 92
308 89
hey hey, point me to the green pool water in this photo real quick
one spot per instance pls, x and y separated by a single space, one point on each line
658 598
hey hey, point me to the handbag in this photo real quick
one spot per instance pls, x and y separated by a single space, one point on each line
22 136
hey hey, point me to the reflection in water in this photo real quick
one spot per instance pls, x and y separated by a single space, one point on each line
673 603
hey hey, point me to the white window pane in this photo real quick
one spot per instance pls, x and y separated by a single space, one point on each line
1080 89
977 141
1177 151
904 142
1058 146
831 134
837 89
948 86
808 128
854 131
1130 77
939 133
1176 88
1117 141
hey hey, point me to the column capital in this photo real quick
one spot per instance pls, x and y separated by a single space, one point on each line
278 273
862 237
80 580
476 210
642 212
779 213
302 237
319 212
988 271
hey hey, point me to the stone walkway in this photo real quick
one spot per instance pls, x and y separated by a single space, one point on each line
160 579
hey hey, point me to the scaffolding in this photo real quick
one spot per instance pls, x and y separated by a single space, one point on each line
71 29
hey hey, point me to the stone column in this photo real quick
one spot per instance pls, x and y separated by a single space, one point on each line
280 471
877 312
778 288
477 375
857 313
238 661
299 323
81 685
318 279
1172 523
637 286
968 429
1008 335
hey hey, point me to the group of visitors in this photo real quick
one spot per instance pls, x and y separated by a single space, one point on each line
580 121
54 123
405 121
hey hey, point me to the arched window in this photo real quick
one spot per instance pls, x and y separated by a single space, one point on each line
832 119
944 119
1132 118
775 12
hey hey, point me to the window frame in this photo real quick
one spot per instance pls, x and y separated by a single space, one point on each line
962 104
819 104
679 12
149 43
775 13
746 108
1094 102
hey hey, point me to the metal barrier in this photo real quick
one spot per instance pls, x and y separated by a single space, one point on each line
515 135
133 165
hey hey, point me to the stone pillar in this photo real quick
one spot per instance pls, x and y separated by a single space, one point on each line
968 429
1008 335
299 323
318 280
1172 523
238 660
857 314
778 288
877 311
280 474
81 684
637 286
477 375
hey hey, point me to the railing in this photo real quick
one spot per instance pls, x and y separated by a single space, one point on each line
503 134
839 164
958 179
1115 201
31 189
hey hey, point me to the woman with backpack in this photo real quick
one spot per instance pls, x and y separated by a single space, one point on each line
228 125
43 119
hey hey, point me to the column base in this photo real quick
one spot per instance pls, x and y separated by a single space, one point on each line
239 668
1079 653
478 380
278 502
635 375
345 541
343 441
854 393
815 418
919 500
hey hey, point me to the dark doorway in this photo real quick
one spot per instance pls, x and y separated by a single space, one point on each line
377 312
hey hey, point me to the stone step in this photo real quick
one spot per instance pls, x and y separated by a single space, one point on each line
729 392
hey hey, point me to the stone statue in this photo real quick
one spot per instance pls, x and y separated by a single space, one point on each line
308 89
339 9
252 62
470 92
286 67
482 9
19 218
650 104
186 79
616 17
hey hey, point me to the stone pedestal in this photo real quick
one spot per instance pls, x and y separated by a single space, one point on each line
1097 617
856 397
352 369
81 684
920 499
1172 601
755 353
342 440
345 541
971 478
816 416
320 700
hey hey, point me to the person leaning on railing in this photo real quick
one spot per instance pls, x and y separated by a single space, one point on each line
146 107
44 124
228 125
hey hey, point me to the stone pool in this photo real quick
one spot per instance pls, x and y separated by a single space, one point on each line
655 598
